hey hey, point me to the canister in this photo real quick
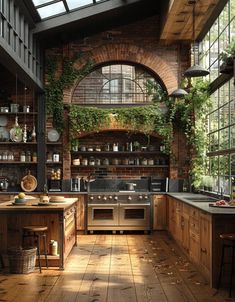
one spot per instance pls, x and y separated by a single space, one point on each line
53 248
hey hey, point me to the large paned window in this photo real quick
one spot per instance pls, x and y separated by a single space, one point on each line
115 84
221 118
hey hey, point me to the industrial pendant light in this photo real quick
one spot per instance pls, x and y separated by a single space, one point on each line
195 70
179 92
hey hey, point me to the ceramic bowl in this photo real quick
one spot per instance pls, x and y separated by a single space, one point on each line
20 200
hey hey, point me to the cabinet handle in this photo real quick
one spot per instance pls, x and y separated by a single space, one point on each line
203 250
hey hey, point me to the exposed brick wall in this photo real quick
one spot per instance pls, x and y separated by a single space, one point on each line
135 43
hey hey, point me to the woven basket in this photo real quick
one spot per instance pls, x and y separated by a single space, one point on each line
21 261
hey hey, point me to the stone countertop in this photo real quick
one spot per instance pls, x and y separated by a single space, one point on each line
204 206
33 205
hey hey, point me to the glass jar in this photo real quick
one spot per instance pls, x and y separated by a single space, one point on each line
91 161
5 155
105 161
84 161
22 156
34 157
28 156
56 156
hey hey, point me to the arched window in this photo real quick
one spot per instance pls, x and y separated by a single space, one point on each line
115 84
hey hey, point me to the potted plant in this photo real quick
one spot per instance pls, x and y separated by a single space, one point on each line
227 57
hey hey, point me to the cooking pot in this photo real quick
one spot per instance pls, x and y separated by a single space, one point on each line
3 184
130 186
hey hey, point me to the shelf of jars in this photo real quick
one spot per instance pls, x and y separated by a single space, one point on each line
119 166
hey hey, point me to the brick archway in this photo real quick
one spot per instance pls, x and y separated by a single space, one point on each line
133 54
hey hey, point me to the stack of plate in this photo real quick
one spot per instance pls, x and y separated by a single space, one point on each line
57 199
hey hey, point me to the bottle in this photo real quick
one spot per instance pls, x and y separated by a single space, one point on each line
131 147
44 198
115 147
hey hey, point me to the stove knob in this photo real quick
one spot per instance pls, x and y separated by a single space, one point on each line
110 197
99 197
105 198
129 198
146 197
91 197
115 197
140 197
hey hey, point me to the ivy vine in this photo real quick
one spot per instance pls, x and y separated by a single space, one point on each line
56 83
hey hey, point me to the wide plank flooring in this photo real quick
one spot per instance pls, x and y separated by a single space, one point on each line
115 268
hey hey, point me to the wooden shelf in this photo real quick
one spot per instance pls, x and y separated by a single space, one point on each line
18 113
18 143
120 166
54 143
13 162
118 153
54 163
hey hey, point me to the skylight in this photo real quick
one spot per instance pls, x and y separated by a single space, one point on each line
52 8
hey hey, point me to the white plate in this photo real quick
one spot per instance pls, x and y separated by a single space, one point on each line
16 137
53 135
3 120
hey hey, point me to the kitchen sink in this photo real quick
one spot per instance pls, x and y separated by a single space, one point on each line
201 199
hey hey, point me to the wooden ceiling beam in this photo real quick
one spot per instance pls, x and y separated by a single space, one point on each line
178 20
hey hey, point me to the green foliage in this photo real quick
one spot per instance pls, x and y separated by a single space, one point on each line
228 53
57 83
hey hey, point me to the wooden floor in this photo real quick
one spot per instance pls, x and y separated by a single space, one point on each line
115 268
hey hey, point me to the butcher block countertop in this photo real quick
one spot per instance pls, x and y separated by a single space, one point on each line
33 204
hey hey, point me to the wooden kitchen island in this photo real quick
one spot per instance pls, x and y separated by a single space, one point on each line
60 218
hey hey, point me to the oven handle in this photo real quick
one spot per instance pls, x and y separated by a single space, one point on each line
135 204
102 205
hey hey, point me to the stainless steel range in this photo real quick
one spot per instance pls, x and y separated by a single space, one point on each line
119 211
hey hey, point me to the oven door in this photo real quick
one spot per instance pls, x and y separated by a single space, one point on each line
136 215
102 216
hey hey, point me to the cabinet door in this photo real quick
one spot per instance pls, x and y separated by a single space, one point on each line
159 212
171 218
178 221
205 241
81 213
185 232
194 250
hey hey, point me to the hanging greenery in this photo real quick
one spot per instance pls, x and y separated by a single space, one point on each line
189 114
58 81
147 119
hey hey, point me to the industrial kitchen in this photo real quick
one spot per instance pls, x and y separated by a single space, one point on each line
117 150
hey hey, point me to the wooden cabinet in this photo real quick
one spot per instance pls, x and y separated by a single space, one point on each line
159 212
205 242
191 228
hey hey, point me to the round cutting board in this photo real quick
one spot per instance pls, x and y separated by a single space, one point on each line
29 183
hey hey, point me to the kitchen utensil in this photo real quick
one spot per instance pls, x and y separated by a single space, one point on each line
28 183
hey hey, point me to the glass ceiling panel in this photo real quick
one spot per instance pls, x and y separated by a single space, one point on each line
51 10
78 3
39 2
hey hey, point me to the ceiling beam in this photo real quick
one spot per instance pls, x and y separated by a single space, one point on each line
177 23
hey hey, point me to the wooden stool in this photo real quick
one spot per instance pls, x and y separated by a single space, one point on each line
37 232
228 242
